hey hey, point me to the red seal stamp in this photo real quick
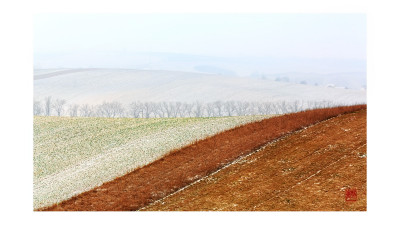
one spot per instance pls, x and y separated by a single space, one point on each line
351 195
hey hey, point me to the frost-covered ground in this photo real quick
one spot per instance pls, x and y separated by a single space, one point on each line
93 86
73 155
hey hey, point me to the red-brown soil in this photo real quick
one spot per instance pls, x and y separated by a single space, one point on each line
309 170
184 166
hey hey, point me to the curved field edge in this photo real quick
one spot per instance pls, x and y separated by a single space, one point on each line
73 155
309 170
188 164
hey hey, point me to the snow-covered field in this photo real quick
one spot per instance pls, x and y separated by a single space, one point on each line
94 86
73 155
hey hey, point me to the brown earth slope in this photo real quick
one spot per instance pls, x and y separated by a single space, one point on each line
184 166
309 170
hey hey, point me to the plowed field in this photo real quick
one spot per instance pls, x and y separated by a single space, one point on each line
193 162
310 170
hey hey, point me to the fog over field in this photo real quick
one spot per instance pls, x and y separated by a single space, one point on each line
349 73
96 58
93 86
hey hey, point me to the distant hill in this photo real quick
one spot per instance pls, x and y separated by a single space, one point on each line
93 86
351 80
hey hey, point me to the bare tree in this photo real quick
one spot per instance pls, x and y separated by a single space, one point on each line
86 110
159 110
218 108
59 106
119 109
111 109
136 109
281 107
198 109
175 108
73 110
230 108
252 108
47 106
37 108
296 106
210 109
265 108
186 110
148 109
242 108
166 108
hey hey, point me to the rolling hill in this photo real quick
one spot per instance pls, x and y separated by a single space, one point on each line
94 86
311 170
329 140
73 155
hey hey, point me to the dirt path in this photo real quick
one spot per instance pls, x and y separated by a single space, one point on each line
313 169
184 166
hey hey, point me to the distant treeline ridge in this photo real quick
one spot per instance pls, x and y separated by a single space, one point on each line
137 109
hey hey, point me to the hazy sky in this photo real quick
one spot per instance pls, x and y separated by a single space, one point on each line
341 36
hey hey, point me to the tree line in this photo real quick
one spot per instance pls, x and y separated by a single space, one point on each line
137 109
